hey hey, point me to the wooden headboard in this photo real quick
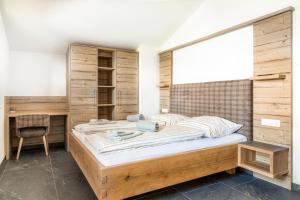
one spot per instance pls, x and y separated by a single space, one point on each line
231 100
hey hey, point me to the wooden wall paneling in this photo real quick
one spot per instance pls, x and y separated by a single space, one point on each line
127 90
82 71
165 79
272 98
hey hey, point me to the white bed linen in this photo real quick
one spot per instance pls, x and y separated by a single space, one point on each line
159 151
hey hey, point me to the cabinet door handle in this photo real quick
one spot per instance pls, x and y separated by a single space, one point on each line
119 96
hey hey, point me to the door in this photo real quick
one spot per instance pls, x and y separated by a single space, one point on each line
127 84
82 84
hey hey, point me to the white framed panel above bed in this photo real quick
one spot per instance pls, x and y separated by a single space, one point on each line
226 57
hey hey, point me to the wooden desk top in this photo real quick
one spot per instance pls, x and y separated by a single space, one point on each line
51 113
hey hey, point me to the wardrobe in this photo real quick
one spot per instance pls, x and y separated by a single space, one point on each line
102 83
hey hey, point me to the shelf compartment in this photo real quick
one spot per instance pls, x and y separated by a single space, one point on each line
105 96
105 112
266 159
105 78
105 53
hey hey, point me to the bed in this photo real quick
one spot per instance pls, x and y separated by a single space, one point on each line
118 178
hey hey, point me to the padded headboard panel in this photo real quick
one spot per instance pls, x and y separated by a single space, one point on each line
231 100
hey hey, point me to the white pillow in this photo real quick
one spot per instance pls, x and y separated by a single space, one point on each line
168 119
211 125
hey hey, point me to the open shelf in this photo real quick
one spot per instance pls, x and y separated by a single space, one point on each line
105 112
106 86
106 68
275 162
105 105
106 77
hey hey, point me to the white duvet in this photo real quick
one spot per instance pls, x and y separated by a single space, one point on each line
170 134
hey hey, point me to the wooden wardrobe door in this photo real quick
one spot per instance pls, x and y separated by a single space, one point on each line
127 84
82 84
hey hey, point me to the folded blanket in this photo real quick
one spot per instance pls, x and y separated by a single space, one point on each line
118 135
147 126
135 118
95 128
167 135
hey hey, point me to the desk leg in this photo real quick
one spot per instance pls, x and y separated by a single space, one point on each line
6 137
67 125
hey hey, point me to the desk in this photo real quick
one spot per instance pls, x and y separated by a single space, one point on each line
54 116
56 107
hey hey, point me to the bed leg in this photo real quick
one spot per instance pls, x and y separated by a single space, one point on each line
231 171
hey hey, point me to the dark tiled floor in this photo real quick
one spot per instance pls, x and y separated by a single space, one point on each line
57 177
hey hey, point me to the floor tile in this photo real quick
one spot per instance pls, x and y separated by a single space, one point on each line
37 177
27 160
234 180
63 163
73 186
195 184
152 193
8 196
267 191
170 194
28 184
217 191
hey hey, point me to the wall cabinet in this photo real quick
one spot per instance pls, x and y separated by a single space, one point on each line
102 83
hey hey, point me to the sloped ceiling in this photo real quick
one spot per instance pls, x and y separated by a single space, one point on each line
50 25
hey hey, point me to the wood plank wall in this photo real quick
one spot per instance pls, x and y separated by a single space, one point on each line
165 79
272 97
38 104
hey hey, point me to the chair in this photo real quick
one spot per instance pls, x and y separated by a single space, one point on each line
28 126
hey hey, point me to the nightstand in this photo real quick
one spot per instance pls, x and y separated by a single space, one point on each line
277 164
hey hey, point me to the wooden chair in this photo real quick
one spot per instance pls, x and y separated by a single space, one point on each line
32 126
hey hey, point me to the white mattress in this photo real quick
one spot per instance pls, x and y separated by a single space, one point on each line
159 151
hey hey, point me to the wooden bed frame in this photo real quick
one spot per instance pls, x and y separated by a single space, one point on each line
134 178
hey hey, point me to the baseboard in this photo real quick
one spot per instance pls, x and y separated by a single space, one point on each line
296 187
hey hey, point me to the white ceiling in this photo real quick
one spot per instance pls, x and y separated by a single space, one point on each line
50 25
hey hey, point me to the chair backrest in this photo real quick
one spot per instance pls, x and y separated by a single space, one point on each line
36 120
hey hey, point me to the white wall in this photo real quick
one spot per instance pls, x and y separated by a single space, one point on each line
216 15
148 80
36 74
235 59
4 56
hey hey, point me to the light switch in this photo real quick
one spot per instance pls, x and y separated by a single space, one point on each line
270 122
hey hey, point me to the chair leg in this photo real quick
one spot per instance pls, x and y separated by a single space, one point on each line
45 145
19 148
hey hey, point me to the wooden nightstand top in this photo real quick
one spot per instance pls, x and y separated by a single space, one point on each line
263 146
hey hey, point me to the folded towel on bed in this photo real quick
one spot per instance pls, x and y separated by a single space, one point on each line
147 126
119 135
135 118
